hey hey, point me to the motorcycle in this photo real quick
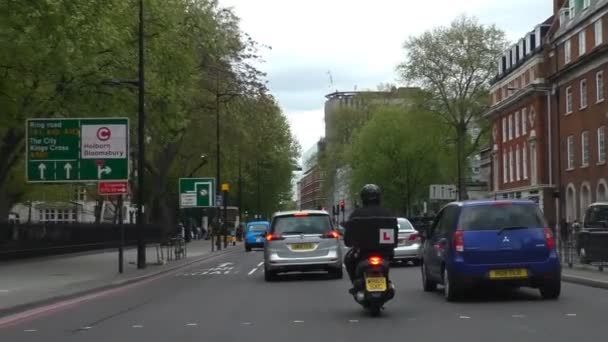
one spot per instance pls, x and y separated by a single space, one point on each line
372 285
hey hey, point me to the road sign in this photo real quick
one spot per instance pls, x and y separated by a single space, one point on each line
196 192
77 150
219 200
113 188
442 192
225 187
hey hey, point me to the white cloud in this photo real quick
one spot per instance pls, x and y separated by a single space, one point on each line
359 41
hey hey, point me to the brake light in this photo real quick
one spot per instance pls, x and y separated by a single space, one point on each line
414 237
300 214
274 237
375 260
458 240
549 240
332 234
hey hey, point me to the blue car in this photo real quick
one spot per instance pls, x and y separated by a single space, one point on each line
255 233
498 242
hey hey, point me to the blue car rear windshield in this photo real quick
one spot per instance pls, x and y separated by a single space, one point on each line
495 217
309 224
257 228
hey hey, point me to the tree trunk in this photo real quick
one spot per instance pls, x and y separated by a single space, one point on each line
461 136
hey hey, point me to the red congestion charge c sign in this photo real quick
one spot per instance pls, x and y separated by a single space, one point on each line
104 133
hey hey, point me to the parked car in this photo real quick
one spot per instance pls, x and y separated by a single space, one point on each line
302 241
408 243
488 241
255 234
592 239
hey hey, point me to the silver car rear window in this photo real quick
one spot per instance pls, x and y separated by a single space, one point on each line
309 224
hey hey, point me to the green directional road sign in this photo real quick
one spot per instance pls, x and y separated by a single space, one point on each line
196 192
77 150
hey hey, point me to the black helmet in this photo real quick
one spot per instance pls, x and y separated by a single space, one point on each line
371 195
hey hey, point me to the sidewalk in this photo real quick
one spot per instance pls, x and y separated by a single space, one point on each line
35 281
585 275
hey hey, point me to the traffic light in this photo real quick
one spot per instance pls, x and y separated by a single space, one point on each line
342 206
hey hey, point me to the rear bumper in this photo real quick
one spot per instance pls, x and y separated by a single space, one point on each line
254 244
273 262
407 252
538 272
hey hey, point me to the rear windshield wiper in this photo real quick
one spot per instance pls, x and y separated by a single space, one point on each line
511 228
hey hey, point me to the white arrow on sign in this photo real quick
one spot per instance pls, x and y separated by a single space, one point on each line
103 170
41 167
68 168
204 192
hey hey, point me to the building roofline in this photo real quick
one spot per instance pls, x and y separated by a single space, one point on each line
519 95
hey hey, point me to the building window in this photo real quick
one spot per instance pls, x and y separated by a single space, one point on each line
599 36
568 100
510 127
601 145
524 159
516 124
505 180
582 43
586 4
599 86
570 152
567 52
572 8
511 175
585 148
524 121
583 91
533 173
517 164
504 129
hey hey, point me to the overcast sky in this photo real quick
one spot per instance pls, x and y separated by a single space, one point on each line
358 41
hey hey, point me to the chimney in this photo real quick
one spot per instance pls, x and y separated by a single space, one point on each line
557 5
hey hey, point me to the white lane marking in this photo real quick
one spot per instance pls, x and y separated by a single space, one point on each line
137 326
86 328
260 264
246 323
343 266
191 324
252 271
5 290
518 316
571 315
30 330
465 317
353 321
298 321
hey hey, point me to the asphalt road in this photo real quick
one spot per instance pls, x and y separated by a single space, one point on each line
226 299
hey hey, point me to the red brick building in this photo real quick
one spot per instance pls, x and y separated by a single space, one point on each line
310 189
520 115
579 66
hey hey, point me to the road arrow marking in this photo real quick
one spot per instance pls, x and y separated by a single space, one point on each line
68 168
41 167
103 170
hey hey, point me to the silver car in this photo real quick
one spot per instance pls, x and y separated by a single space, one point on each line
408 242
302 241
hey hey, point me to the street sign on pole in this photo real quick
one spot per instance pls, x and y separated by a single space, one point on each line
442 192
113 188
196 192
77 150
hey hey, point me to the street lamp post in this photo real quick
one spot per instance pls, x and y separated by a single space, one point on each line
141 245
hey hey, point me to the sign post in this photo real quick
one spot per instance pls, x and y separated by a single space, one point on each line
225 189
77 150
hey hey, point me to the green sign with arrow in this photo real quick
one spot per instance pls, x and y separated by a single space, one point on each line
77 150
196 192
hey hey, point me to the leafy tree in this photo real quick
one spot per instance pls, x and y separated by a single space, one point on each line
401 151
453 65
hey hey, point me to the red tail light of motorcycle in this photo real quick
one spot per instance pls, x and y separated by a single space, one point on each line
375 260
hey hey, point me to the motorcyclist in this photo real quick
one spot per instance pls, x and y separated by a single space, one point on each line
371 198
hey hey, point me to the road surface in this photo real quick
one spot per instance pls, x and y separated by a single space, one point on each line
226 299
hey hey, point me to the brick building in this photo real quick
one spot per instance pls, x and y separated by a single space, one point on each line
579 65
549 113
520 115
